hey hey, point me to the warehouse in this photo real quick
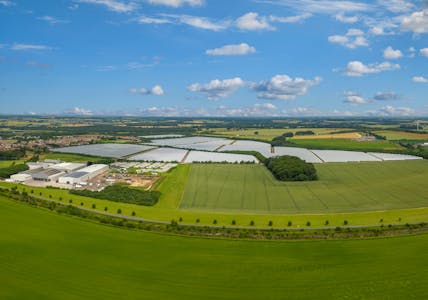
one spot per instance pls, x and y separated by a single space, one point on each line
20 177
84 174
48 175
68 167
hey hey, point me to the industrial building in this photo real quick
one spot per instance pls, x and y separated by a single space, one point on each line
48 175
67 167
84 174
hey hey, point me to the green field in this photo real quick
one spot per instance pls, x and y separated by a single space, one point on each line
48 256
8 163
343 187
269 134
402 135
70 157
346 144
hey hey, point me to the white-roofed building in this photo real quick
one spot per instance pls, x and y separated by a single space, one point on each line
84 174
68 167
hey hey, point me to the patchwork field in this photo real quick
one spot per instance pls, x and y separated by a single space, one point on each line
402 135
346 144
48 256
269 134
349 187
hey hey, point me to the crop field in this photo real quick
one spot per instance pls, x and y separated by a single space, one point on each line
269 134
70 157
402 135
49 256
201 156
349 187
346 144
350 135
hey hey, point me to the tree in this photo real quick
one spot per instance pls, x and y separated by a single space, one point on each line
197 220
70 201
233 222
81 203
180 219
251 223
106 208
289 224
327 222
215 221
256 133
345 222
270 224
133 213
119 211
291 168
308 223
94 206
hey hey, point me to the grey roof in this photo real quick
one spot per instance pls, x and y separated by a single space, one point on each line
77 174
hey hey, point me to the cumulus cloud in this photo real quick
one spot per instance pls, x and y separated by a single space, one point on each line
22 47
424 52
198 22
420 79
344 19
389 110
78 111
177 3
417 22
240 49
283 87
386 96
352 39
155 90
52 20
217 89
354 98
358 69
114 5
253 22
256 110
390 53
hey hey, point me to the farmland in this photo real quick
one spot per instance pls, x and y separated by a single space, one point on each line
141 264
342 188
402 135
346 144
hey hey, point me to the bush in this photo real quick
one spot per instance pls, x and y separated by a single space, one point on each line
180 219
106 208
345 222
197 220
308 223
290 168
233 222
122 193
270 224
215 221
119 211
13 169
133 213
326 222
251 223
289 224
94 206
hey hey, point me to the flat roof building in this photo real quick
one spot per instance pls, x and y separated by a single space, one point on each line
84 174
68 167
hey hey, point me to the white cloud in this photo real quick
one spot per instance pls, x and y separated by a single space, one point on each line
78 111
417 22
7 3
390 53
290 19
283 87
155 90
344 19
424 52
389 110
358 69
420 79
177 3
256 110
352 39
252 21
240 49
52 20
354 98
199 22
387 96
397 6
114 5
216 89
322 6
20 47
151 20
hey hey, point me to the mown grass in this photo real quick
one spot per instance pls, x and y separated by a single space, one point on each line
346 144
402 135
70 157
48 256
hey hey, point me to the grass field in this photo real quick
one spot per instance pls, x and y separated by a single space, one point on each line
402 135
346 144
70 157
8 163
48 256
397 191
269 134
342 187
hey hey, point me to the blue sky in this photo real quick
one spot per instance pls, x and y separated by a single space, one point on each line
214 57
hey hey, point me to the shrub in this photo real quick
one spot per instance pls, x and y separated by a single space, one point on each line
122 193
180 219
133 213
327 222
251 223
214 221
81 203
106 208
60 198
308 223
50 196
70 201
270 224
289 224
290 168
345 222
197 220
94 206
233 222
119 211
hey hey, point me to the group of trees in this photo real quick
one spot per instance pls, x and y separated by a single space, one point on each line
12 154
291 168
122 193
12 169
